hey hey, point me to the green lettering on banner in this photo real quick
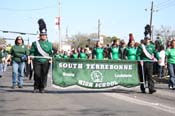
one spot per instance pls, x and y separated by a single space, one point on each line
94 73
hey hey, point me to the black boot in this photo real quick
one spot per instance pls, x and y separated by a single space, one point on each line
151 91
142 88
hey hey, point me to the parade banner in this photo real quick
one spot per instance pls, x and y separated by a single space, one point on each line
96 74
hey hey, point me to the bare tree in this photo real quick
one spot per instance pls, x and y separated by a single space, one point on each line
164 33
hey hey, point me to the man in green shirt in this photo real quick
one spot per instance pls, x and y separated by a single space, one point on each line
146 53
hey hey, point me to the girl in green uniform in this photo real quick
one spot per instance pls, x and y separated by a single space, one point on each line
65 55
74 54
58 55
82 54
114 50
98 52
130 51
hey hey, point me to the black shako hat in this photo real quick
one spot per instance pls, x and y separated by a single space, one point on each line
42 27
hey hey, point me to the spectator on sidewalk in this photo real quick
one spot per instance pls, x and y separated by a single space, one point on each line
170 54
18 54
161 62
2 60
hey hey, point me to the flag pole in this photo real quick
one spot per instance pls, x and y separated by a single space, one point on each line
59 26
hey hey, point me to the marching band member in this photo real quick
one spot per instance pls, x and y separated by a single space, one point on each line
41 50
146 53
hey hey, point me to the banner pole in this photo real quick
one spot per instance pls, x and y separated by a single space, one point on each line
143 74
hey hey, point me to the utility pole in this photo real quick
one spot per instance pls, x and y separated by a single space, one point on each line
151 18
59 21
67 32
99 27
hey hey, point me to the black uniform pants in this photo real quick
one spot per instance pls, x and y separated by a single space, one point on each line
148 72
40 74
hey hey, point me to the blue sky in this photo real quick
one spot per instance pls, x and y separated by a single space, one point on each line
118 17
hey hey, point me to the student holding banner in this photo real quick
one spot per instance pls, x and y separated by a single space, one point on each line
115 50
83 54
146 53
40 51
130 51
74 54
98 52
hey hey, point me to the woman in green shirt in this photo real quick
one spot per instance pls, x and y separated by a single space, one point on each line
19 53
170 54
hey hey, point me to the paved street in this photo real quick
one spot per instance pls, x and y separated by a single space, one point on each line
77 101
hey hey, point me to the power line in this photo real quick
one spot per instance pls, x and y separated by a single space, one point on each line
162 3
165 4
168 6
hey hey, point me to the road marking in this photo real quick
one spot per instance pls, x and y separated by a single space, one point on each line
158 106
141 102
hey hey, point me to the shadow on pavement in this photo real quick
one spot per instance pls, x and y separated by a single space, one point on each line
5 86
72 91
